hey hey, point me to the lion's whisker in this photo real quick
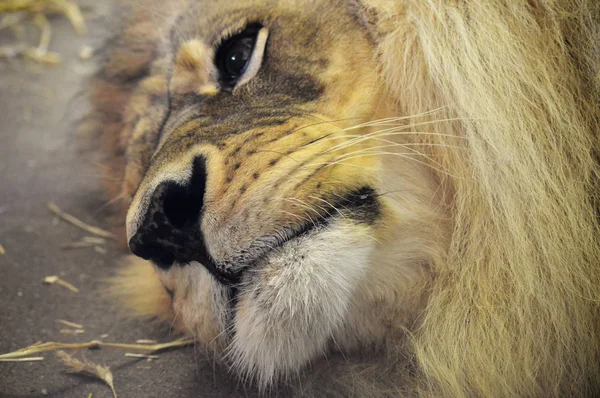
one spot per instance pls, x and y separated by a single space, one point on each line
329 204
374 151
405 156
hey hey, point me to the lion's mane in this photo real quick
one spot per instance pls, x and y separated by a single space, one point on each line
513 309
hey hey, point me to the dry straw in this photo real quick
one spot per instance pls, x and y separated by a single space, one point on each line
80 224
16 12
53 346
88 368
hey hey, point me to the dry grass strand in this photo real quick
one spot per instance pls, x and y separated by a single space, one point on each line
53 346
88 368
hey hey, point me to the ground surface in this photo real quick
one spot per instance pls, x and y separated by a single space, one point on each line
38 164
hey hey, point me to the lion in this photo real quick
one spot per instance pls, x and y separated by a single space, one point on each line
362 198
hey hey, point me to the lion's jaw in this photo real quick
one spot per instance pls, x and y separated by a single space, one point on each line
286 310
336 289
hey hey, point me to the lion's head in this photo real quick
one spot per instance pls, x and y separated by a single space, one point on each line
321 177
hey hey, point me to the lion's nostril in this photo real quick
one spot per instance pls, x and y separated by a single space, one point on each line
171 223
178 206
182 203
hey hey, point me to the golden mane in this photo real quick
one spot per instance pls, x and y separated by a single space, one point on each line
513 310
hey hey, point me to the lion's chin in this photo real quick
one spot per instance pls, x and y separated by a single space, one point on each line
285 310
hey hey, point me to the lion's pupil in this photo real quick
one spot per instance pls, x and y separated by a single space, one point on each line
238 56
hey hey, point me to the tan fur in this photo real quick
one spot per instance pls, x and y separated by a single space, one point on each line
193 69
133 279
482 277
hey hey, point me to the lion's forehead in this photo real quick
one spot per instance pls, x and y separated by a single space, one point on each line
311 75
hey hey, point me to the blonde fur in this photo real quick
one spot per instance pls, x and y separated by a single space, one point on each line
513 311
483 278
128 287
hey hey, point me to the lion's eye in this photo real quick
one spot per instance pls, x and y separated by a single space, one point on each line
235 57
239 57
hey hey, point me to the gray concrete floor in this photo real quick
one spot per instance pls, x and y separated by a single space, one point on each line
39 163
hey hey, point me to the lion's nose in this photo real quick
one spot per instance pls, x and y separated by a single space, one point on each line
169 230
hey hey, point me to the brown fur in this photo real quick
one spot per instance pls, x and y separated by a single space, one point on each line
481 138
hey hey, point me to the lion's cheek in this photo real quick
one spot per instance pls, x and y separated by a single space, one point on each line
196 304
292 306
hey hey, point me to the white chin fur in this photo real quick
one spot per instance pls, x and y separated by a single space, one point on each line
291 304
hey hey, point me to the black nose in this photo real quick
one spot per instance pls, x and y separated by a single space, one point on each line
170 229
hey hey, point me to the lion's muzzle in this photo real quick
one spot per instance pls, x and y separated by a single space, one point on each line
169 231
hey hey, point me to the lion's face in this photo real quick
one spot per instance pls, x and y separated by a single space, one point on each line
261 202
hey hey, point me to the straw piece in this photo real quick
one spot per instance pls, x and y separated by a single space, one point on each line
53 346
78 223
88 368
94 240
30 359
49 58
146 356
146 341
71 331
70 324
73 12
70 9
50 280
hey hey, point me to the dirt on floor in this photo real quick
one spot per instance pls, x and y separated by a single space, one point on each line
39 163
